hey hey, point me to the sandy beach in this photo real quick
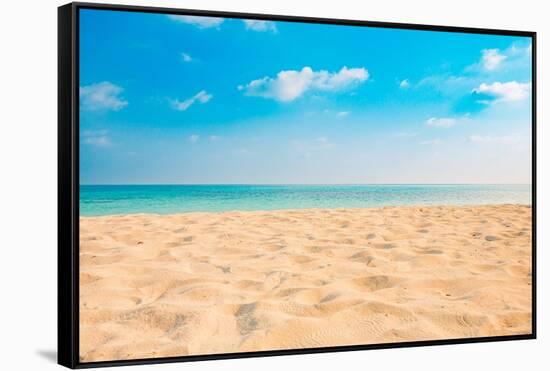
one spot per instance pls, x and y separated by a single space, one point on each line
201 283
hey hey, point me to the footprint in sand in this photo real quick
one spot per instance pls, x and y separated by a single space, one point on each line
385 246
245 319
375 283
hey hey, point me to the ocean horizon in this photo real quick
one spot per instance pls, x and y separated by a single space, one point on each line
100 200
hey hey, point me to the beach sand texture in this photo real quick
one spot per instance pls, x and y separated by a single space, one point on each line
203 283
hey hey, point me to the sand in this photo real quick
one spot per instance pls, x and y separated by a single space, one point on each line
203 283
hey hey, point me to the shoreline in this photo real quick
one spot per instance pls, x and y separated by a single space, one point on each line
306 209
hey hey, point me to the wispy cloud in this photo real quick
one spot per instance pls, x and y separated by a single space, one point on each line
516 50
260 26
213 138
291 84
194 138
201 97
343 113
186 57
322 143
441 122
308 147
102 96
491 59
493 139
453 86
405 134
497 92
405 84
431 142
200 22
97 138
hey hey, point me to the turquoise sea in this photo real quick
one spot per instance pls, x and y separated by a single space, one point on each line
98 200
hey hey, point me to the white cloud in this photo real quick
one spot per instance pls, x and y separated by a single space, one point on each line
102 96
519 50
291 84
492 139
260 26
201 97
186 57
505 91
213 138
431 141
443 122
194 138
97 138
514 59
200 22
405 84
516 56
491 59
343 113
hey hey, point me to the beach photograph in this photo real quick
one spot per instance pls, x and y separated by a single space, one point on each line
251 185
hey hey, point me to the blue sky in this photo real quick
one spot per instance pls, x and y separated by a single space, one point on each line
176 99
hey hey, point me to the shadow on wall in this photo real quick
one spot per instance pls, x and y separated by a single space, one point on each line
50 355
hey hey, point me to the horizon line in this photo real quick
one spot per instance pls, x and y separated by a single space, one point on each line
288 184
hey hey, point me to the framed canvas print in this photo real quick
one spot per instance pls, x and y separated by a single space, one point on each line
239 185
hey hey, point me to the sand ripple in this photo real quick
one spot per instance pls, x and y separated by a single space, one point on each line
202 283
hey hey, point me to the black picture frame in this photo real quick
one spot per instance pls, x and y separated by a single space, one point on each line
68 183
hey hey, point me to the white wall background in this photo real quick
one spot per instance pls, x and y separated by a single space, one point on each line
28 155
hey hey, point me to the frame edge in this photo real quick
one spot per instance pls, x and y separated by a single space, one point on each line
67 269
534 187
298 18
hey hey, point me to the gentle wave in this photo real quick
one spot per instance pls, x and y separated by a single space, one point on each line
168 199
